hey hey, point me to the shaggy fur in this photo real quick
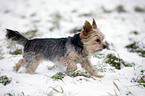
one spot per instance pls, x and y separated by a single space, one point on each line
67 51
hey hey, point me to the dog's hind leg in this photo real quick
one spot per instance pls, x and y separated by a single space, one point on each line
32 66
18 65
32 62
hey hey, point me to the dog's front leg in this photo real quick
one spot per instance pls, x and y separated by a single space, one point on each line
85 63
69 63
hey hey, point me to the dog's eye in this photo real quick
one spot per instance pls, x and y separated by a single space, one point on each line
97 40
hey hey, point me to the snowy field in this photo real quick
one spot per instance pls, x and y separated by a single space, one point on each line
122 22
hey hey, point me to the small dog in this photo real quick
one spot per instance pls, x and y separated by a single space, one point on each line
67 51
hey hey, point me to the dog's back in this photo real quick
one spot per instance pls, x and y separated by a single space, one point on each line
48 48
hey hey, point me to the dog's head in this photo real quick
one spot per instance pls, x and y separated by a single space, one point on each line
92 37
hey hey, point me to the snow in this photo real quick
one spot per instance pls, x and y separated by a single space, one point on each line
24 15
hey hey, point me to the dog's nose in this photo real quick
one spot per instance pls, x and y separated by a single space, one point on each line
104 46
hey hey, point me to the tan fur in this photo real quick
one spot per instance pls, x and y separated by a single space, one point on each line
89 40
29 69
89 35
71 63
18 65
32 67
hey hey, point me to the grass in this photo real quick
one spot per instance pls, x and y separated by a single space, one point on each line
129 94
134 47
139 9
140 79
60 75
134 32
1 54
57 89
5 80
120 9
16 52
106 10
99 55
30 33
13 94
1 57
7 11
56 18
116 61
33 15
75 30
117 90
90 14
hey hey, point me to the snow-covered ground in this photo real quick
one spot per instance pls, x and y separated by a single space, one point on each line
56 18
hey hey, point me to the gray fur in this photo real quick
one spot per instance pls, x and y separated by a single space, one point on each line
49 48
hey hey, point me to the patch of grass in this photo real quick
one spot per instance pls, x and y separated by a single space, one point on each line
57 89
33 15
134 32
7 11
105 10
86 14
120 9
13 94
75 74
51 68
56 18
75 30
30 33
116 61
51 28
104 69
36 21
5 80
16 52
99 55
129 94
60 75
1 57
74 11
140 79
134 47
23 16
108 45
139 9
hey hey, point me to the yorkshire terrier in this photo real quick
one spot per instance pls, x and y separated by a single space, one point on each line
67 51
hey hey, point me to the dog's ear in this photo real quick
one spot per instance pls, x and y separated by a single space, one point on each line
94 24
86 30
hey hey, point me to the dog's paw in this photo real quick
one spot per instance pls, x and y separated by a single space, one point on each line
15 68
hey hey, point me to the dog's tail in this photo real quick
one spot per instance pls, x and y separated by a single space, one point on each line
16 36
